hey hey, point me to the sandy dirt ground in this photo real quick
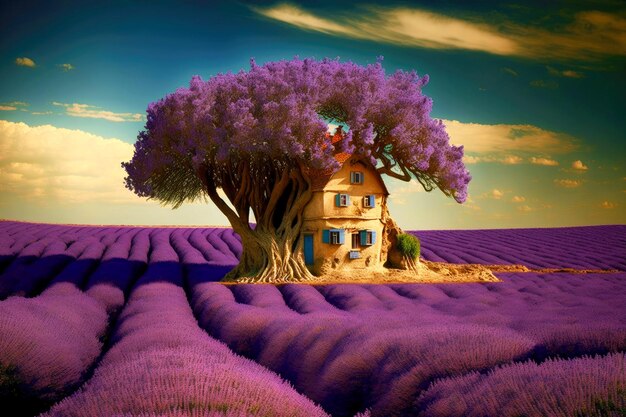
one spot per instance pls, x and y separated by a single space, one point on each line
428 272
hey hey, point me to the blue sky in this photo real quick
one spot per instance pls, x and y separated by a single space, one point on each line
534 92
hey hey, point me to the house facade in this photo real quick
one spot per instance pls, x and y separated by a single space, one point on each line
342 224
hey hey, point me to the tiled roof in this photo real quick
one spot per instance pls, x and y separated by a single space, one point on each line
320 177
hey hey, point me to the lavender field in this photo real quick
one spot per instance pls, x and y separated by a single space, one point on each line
131 321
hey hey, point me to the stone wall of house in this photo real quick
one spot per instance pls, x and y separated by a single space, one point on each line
322 214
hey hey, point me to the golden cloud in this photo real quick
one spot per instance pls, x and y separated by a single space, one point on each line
25 62
14 105
566 183
543 161
565 73
608 205
589 34
51 164
403 26
504 140
496 194
579 166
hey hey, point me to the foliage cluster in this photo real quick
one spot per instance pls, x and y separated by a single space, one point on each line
409 246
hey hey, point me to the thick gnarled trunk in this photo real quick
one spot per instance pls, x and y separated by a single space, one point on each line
271 251
267 258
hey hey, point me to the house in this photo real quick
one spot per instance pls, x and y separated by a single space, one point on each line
343 223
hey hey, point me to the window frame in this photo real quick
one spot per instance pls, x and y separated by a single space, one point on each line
342 200
357 174
366 201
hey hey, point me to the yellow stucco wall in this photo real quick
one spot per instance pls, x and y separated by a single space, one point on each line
322 213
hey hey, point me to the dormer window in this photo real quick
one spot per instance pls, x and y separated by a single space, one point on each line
356 177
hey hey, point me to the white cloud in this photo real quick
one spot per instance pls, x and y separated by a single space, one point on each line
25 62
505 139
579 166
85 110
543 161
525 208
566 183
7 108
46 163
588 35
518 199
66 67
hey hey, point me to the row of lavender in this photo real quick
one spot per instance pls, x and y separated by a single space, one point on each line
159 362
356 347
591 247
50 342
352 347
346 347
162 363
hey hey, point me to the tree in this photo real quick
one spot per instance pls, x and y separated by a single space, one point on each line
258 135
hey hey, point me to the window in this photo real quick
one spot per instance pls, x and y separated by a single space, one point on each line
369 201
342 200
355 241
367 237
333 236
356 177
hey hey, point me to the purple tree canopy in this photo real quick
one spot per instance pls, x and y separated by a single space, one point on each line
247 132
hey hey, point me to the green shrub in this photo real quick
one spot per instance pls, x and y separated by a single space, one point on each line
409 246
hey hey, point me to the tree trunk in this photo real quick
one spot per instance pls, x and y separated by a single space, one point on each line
267 258
272 251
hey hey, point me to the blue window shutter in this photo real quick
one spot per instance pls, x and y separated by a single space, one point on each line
352 178
325 236
363 236
342 236
347 200
373 237
337 200
372 201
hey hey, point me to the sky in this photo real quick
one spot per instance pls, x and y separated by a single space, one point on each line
535 93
